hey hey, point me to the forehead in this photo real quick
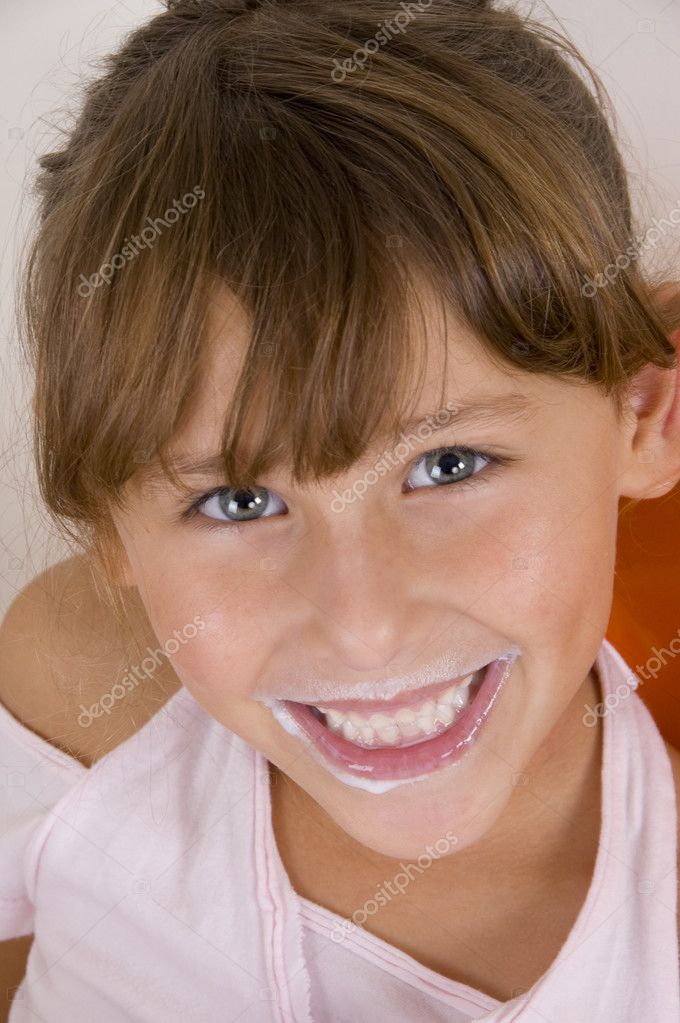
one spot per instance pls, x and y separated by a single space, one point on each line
454 360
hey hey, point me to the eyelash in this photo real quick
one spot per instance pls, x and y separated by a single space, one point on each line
495 462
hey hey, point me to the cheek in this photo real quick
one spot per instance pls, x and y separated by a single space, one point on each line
555 558
227 648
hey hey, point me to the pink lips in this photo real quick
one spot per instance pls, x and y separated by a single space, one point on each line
416 759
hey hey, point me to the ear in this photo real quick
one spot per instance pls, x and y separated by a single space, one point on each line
652 455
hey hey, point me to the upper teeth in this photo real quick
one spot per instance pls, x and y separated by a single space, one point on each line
415 722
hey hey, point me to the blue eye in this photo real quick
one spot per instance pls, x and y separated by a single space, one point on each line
235 505
449 465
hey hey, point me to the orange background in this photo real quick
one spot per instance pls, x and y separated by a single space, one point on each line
646 605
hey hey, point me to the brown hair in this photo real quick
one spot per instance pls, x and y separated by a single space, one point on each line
470 147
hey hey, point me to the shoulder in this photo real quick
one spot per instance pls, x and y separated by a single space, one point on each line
62 647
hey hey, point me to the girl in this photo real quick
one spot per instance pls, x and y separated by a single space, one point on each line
343 360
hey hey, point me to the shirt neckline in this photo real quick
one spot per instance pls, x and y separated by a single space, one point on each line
404 966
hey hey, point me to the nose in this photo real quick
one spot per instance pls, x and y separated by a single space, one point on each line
366 610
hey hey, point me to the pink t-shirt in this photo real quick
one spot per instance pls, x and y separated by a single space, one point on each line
155 891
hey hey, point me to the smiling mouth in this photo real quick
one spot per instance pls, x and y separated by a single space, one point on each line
407 738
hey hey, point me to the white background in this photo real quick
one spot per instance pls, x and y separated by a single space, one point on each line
46 48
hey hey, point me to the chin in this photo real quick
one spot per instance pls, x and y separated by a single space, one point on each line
407 830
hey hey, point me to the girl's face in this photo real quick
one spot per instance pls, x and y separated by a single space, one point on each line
357 587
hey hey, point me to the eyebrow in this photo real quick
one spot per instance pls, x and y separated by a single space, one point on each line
485 412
